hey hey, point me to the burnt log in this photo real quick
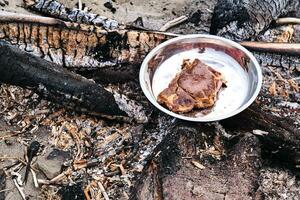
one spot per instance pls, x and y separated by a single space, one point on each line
184 168
292 10
282 137
241 19
202 161
57 84
79 47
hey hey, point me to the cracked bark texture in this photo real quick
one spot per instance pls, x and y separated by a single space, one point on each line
171 174
280 34
292 10
90 47
243 19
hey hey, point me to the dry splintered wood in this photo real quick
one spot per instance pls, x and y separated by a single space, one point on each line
54 83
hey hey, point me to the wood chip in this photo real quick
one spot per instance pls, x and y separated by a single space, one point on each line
123 172
294 85
173 23
86 192
272 89
102 189
260 132
286 36
198 165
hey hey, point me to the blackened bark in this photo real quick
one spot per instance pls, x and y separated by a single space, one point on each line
58 10
54 83
282 139
172 175
121 74
2 184
292 10
241 19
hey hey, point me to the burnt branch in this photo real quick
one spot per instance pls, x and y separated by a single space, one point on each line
57 84
58 10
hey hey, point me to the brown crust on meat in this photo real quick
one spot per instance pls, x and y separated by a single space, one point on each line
196 86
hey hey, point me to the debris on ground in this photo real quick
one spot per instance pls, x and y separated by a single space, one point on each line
109 6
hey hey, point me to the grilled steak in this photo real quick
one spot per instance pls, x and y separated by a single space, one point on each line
196 86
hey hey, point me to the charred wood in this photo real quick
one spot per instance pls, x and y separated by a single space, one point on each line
292 10
58 10
282 138
180 171
78 46
59 85
2 184
241 19
121 74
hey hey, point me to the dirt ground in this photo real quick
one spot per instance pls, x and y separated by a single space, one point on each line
23 113
154 13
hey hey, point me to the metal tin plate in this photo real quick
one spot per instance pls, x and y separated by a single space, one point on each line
239 67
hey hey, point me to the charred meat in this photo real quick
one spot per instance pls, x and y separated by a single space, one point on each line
196 86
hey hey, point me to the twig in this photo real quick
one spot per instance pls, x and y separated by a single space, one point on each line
198 165
221 130
77 142
5 190
17 17
60 176
8 158
11 134
35 181
15 158
20 190
288 20
122 170
79 4
102 189
281 48
55 179
173 23
260 132
16 167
